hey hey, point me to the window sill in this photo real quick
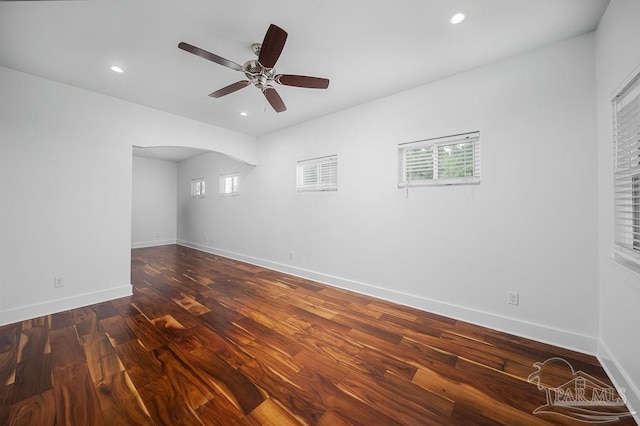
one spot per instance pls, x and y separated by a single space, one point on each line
441 182
624 262
317 189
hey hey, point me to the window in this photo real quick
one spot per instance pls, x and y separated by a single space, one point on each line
197 188
626 112
229 184
451 160
318 174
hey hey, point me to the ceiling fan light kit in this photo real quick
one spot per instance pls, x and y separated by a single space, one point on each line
261 72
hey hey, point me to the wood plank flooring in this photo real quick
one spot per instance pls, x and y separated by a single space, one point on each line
208 340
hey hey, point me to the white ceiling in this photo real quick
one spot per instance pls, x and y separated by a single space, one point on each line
367 48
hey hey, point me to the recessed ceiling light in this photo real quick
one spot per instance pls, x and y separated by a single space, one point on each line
457 18
117 69
244 114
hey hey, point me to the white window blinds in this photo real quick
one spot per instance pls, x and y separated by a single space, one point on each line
450 160
197 188
318 174
229 184
626 111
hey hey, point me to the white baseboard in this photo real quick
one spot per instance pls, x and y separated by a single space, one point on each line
51 307
154 243
620 379
541 333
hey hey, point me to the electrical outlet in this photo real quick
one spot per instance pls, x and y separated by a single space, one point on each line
514 298
58 282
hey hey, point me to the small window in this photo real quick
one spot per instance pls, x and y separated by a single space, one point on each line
197 188
626 114
229 184
318 174
451 160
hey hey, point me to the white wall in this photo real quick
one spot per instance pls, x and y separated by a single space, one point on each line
213 220
531 226
618 54
65 173
66 186
154 210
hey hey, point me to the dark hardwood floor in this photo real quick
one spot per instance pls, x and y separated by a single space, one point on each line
208 340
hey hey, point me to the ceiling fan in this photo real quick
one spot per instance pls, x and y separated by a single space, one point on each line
260 72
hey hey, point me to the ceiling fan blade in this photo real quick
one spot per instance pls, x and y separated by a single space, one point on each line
302 81
272 46
230 88
274 99
210 56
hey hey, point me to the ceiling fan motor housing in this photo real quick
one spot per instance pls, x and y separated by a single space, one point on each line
260 76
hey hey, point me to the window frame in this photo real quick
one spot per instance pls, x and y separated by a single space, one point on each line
626 169
235 189
198 188
326 172
429 155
